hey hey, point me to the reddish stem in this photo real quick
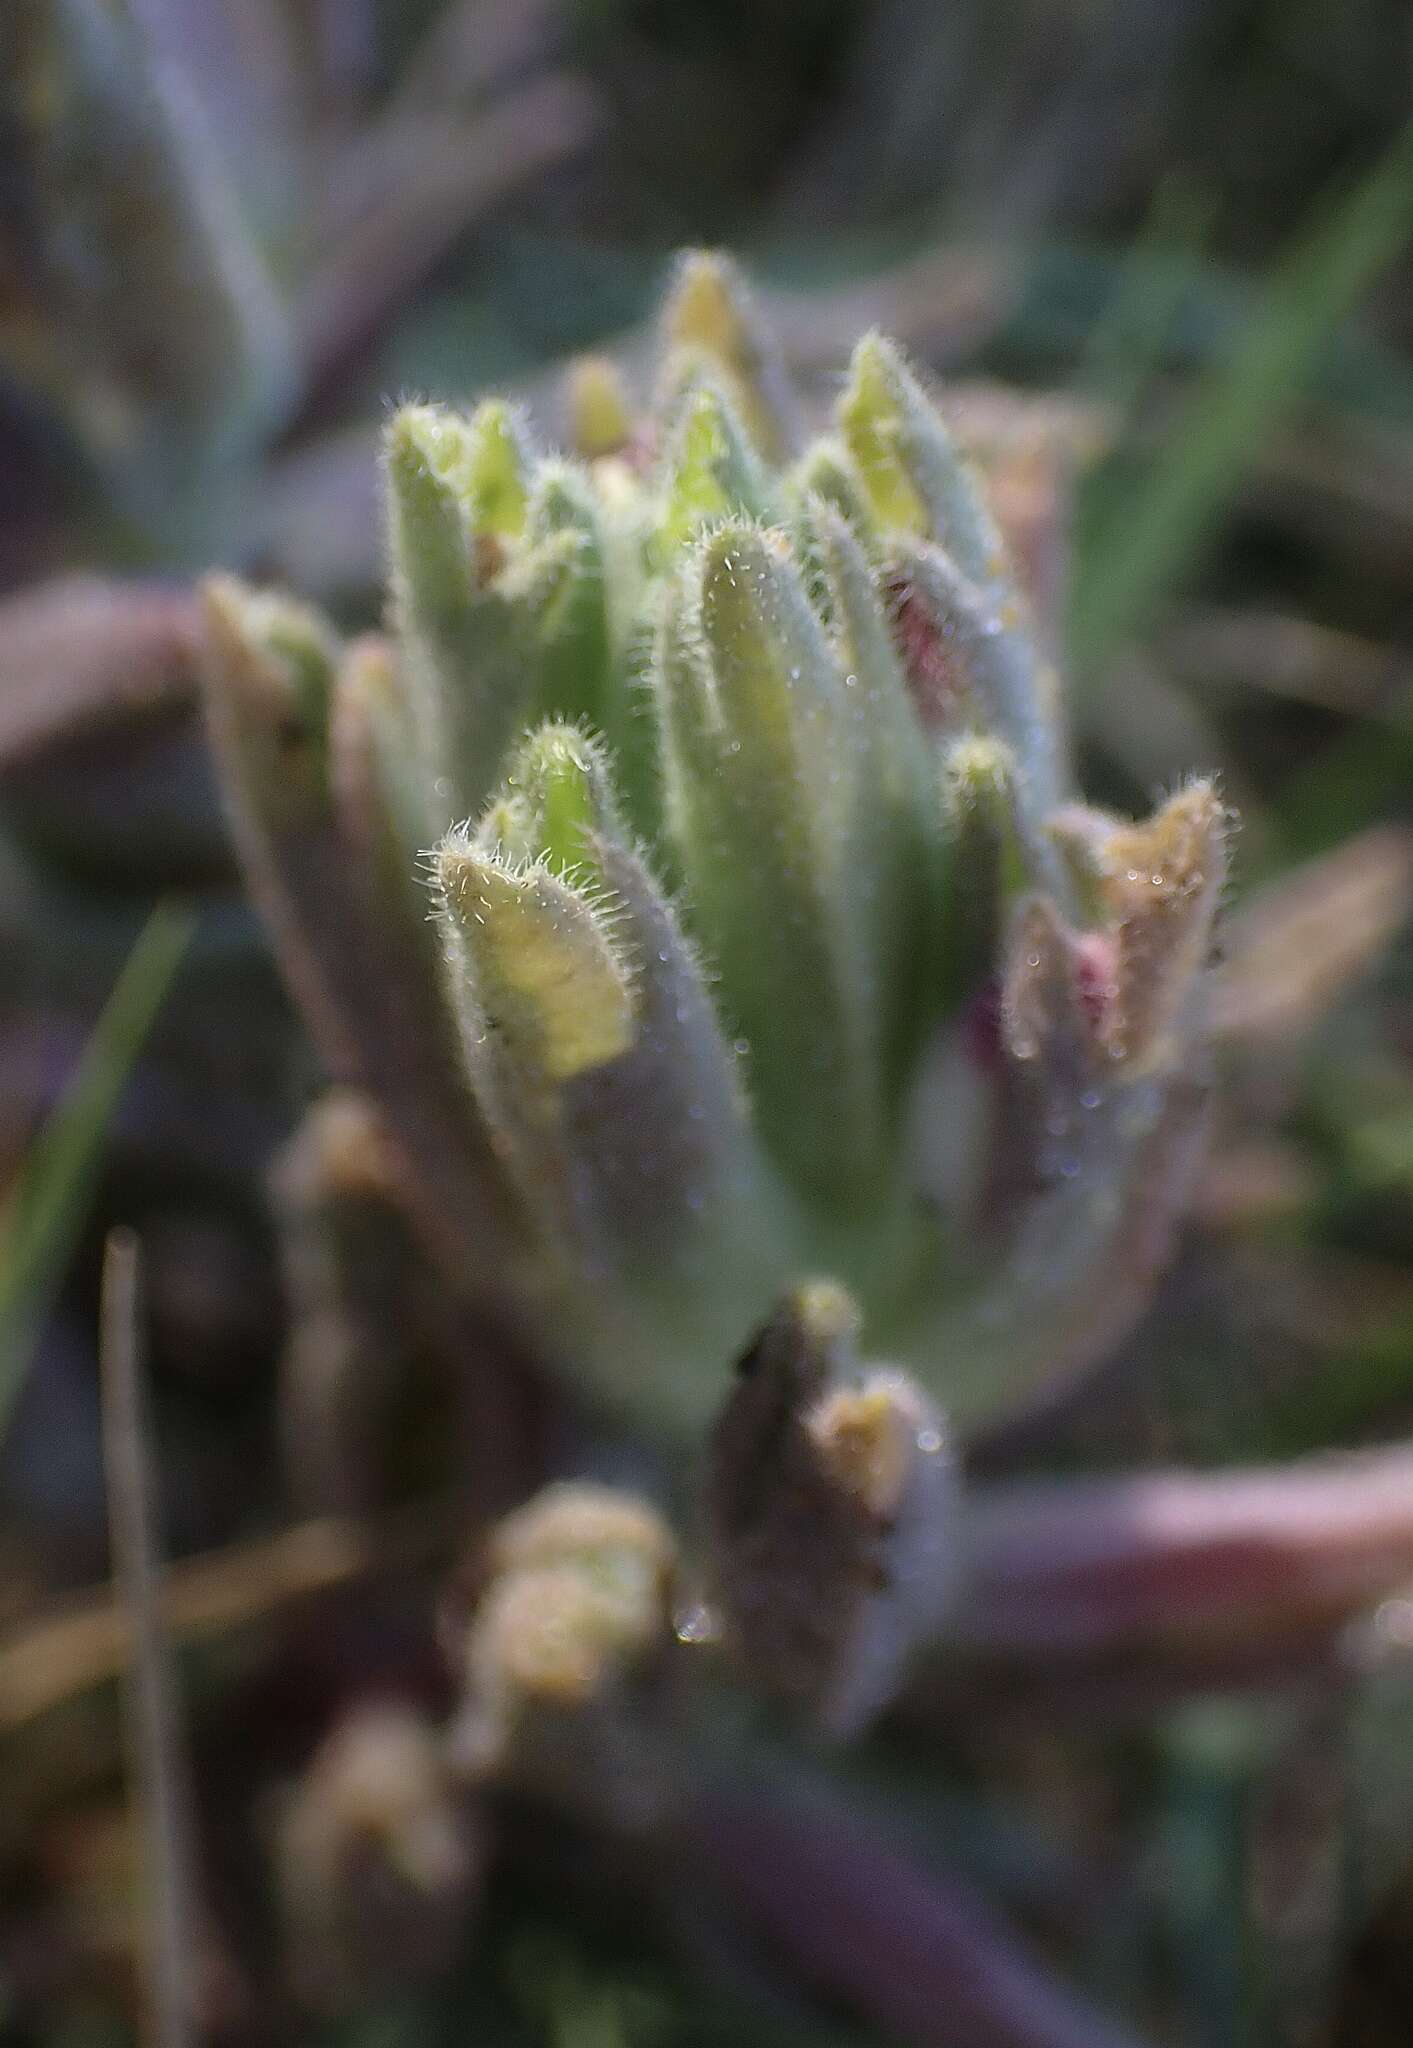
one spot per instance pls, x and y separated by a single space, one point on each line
1183 1560
913 1952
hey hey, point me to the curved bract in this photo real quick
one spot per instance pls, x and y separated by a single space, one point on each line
770 939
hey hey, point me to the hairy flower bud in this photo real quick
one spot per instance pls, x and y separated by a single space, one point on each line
794 805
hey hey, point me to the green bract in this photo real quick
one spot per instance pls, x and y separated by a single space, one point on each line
769 939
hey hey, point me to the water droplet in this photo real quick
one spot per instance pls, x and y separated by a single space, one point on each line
1393 1621
695 1624
929 1442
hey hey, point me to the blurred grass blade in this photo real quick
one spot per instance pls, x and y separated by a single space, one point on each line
45 1211
1150 535
1127 344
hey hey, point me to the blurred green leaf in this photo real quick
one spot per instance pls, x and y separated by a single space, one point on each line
1130 340
1150 535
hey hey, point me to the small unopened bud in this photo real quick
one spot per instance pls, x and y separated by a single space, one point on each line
432 455
566 1653
826 472
917 480
271 665
559 785
711 470
600 418
375 758
709 317
378 1859
896 862
831 1515
1059 998
452 504
1153 890
350 1271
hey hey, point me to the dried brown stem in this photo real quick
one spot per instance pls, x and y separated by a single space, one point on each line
55 1658
156 1741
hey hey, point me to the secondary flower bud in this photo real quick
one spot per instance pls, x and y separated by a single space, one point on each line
831 1515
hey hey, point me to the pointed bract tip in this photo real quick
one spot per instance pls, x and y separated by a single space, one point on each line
712 472
917 479
705 306
268 644
369 669
498 469
1179 852
546 971
480 463
871 415
870 1437
811 1339
1160 886
596 402
560 784
978 774
744 564
709 315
